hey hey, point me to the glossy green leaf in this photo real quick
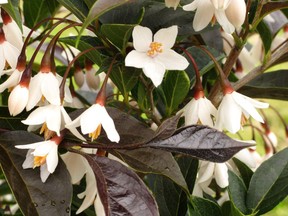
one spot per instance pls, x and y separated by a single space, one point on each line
121 191
77 7
99 7
9 122
189 169
237 193
203 207
12 7
268 185
35 11
273 6
245 171
268 85
175 87
201 142
125 78
86 42
265 35
33 196
171 200
117 34
153 161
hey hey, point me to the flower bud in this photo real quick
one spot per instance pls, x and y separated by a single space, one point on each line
18 99
236 12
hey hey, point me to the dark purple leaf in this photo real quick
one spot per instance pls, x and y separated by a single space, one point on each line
201 142
33 196
121 191
155 161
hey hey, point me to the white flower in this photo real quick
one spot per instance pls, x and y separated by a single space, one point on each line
12 80
8 53
18 99
43 84
231 108
92 119
172 3
43 154
53 117
229 13
93 81
79 77
12 30
199 110
155 56
208 171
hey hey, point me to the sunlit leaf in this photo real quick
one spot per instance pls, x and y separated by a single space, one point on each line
268 185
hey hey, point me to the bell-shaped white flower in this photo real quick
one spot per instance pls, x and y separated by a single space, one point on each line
8 53
43 84
93 81
91 121
43 154
228 16
199 110
232 107
18 99
154 54
52 117
172 3
12 80
12 30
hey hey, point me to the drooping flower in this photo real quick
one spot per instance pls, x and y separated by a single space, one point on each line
230 14
91 121
199 110
51 117
12 30
18 99
172 3
43 154
155 56
232 107
43 84
8 53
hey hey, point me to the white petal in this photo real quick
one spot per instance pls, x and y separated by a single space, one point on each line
90 119
137 59
52 159
221 175
30 146
35 93
44 148
247 106
224 22
109 126
236 12
203 15
155 71
11 81
29 161
90 192
13 34
246 157
50 89
192 6
172 3
76 166
53 119
191 112
208 173
206 109
93 81
166 36
2 60
44 173
142 38
79 78
11 54
17 100
37 117
99 208
172 60
229 115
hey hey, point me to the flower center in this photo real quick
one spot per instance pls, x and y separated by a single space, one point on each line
39 160
94 135
47 133
155 48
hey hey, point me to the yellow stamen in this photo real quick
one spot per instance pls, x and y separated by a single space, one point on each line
94 135
155 48
43 128
39 160
213 21
243 119
47 133
43 98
